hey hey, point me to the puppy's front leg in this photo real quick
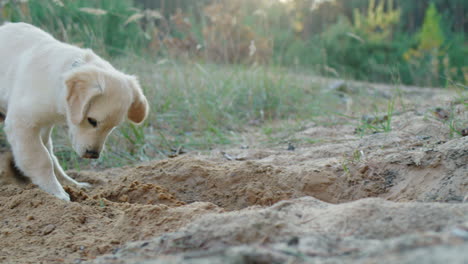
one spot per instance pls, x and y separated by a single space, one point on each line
47 140
32 158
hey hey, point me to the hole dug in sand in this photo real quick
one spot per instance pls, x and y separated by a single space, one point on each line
141 193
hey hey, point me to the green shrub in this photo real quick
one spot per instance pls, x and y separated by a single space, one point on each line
436 61
96 24
361 39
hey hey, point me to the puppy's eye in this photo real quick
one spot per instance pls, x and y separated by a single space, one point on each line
92 121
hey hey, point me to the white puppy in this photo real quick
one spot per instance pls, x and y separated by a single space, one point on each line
44 82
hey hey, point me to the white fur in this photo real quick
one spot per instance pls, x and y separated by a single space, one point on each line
44 82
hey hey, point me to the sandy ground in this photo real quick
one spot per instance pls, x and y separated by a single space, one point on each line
393 197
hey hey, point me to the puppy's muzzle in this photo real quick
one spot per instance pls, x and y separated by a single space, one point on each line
91 154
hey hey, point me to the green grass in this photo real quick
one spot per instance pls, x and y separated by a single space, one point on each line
378 123
197 107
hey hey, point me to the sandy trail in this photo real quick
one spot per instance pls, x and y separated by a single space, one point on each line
385 198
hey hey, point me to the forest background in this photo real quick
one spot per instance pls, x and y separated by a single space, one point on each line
419 42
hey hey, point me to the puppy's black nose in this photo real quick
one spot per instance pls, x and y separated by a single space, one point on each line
91 154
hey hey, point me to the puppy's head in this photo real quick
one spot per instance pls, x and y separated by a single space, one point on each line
96 102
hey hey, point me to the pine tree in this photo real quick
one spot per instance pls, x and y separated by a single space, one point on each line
431 36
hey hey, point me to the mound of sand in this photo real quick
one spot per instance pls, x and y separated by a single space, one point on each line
383 198
306 229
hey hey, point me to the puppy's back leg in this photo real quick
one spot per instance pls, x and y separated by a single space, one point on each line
32 157
47 140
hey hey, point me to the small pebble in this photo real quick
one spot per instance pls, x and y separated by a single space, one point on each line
293 241
441 113
144 244
461 232
464 132
48 229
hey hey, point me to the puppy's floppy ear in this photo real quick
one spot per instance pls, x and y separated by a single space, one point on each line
139 108
81 87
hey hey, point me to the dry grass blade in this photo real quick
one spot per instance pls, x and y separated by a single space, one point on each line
93 11
134 17
153 14
58 2
149 14
227 156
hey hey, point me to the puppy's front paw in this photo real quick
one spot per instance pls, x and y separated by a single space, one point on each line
56 190
63 196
